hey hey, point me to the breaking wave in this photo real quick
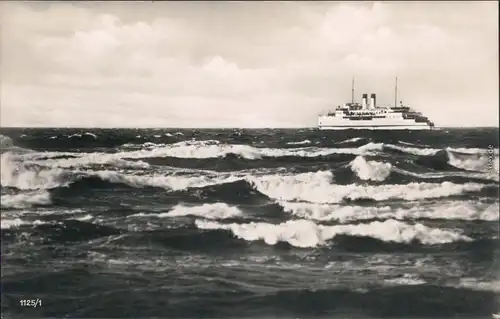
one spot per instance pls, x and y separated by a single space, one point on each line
277 211
207 211
370 170
319 188
305 233
462 210
5 142
473 160
24 177
352 140
12 223
25 200
299 143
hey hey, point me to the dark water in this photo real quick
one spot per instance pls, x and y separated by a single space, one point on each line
250 223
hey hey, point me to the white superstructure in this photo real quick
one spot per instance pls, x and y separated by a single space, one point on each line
368 115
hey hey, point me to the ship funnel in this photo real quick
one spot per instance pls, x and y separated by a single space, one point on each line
373 101
364 101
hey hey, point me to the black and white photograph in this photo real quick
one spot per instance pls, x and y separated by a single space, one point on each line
249 159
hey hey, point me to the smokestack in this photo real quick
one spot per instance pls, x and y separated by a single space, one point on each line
364 101
373 101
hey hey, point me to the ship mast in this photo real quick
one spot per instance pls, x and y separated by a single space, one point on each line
352 96
396 93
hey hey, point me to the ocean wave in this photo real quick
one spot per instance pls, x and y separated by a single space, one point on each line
25 200
351 140
214 149
77 160
453 175
186 150
300 142
472 159
335 221
475 162
170 182
7 145
233 163
474 150
207 211
5 142
411 150
424 150
14 223
21 176
84 217
370 170
82 135
406 280
305 233
160 154
318 188
479 285
73 230
413 144
453 210
437 161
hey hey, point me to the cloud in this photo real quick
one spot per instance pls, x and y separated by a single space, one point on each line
242 64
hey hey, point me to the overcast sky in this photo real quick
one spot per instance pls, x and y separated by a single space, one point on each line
243 64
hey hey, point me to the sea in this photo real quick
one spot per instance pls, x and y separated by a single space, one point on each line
249 223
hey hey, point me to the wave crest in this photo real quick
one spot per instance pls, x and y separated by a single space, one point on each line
370 170
318 188
25 200
346 213
305 233
207 211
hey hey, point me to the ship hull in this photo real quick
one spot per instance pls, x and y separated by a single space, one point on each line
333 128
331 123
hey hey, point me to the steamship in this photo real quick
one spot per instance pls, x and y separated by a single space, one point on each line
370 116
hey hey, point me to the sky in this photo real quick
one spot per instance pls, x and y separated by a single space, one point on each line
243 64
